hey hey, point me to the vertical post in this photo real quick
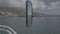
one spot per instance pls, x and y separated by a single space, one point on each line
29 11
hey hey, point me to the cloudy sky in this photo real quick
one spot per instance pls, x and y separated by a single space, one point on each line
41 6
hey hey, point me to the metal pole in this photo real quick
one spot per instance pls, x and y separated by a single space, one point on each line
29 11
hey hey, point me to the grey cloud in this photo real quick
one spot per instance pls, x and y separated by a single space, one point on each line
54 5
12 3
3 2
21 3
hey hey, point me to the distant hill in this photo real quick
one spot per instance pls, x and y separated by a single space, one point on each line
16 12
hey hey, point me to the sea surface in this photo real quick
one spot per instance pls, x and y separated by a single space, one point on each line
40 25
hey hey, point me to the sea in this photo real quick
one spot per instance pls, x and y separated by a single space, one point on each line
40 25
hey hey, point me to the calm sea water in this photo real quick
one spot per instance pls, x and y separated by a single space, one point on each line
40 25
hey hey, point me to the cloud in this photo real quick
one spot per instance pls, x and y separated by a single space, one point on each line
17 3
21 3
54 5
38 4
12 3
4 3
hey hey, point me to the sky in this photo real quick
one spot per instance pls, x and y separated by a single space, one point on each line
51 7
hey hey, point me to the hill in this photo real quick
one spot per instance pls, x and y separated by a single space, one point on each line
16 12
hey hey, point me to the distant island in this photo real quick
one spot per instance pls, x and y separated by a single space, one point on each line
18 12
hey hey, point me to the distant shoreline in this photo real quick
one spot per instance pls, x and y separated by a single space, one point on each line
6 12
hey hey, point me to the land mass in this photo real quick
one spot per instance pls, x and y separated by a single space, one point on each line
4 11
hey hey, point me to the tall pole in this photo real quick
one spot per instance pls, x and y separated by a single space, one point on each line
29 11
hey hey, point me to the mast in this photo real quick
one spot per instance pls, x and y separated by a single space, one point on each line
29 11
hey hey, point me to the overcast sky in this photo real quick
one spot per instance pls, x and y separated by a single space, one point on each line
41 6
